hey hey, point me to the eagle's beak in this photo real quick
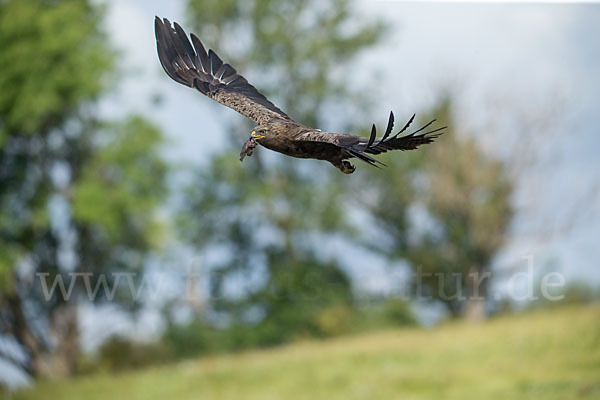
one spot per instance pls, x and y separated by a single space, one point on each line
256 136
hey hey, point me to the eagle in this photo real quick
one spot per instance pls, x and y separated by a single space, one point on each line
191 65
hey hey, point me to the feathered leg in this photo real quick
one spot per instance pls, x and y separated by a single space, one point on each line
343 166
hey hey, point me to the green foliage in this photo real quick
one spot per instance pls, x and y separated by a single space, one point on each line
299 297
120 185
195 338
38 37
335 320
119 354
397 312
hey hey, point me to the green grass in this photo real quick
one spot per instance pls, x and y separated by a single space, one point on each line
551 354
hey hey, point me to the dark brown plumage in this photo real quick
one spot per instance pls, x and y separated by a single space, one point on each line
191 65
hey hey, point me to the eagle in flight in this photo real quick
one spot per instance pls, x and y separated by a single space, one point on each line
191 65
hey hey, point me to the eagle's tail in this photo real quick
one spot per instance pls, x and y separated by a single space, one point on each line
411 141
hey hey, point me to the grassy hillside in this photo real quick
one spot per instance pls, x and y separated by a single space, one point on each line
551 354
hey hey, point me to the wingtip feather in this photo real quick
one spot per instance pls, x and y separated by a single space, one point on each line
372 137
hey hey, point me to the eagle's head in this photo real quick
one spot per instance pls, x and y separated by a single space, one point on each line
259 132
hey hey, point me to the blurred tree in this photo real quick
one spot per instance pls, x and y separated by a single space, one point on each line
76 194
270 215
459 199
267 221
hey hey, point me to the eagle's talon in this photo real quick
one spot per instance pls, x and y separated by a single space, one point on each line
347 168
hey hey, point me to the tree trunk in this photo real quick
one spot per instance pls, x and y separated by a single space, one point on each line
59 361
477 289
21 331
474 310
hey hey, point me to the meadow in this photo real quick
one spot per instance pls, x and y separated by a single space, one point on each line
544 354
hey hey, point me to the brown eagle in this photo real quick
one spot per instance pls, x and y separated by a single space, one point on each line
191 65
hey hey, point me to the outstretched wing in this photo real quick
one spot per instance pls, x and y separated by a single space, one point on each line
361 147
194 67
